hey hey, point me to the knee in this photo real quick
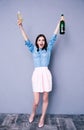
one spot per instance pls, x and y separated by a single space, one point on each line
45 99
36 103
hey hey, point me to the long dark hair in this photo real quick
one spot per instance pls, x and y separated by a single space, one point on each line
45 46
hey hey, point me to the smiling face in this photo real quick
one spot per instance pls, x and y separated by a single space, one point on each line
41 42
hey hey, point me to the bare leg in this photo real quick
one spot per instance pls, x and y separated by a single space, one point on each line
35 105
44 108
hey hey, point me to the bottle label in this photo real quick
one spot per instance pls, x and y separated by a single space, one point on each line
62 27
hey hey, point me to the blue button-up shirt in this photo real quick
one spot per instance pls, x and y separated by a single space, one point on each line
42 57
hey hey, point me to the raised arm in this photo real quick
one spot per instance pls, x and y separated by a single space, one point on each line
22 30
27 41
54 37
57 28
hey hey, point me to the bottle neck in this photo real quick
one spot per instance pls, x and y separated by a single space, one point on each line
62 18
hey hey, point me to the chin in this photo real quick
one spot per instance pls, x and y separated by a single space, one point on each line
40 47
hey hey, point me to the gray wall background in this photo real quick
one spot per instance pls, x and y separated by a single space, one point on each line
67 60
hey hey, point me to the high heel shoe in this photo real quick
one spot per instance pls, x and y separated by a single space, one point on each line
31 118
41 123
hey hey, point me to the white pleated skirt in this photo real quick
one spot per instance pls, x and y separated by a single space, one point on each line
42 80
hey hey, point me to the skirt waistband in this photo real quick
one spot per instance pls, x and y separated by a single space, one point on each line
37 68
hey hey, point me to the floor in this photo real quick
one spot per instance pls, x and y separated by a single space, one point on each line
52 122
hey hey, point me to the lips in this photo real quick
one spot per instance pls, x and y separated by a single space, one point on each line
41 45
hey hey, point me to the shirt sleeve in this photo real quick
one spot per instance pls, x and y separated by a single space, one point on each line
52 41
30 45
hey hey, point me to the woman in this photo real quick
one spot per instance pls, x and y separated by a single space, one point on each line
41 78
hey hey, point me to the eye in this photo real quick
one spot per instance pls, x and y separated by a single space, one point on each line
43 40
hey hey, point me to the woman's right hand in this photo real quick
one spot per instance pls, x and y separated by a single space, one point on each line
19 22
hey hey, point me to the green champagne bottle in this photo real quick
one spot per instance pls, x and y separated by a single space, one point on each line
62 25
